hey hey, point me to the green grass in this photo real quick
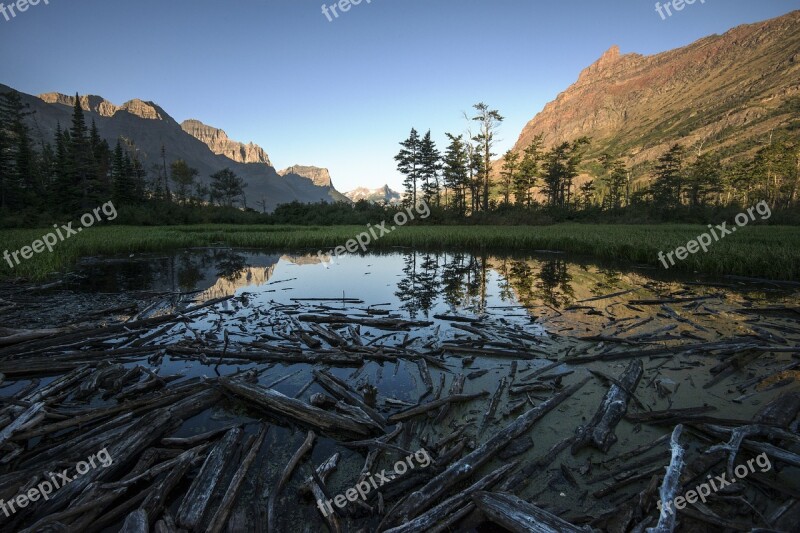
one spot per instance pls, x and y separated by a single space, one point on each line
759 251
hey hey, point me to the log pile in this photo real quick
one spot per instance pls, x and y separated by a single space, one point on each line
237 445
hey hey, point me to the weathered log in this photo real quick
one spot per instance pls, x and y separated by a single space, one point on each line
599 432
490 412
419 501
220 517
155 502
336 386
274 401
424 408
197 499
519 516
287 474
671 485
429 520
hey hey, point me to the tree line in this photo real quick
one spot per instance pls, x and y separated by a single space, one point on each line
461 180
80 170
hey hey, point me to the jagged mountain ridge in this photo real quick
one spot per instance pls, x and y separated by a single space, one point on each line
320 177
381 195
725 92
149 127
219 143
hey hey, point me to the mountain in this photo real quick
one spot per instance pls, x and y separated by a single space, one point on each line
724 92
147 127
320 177
219 143
382 195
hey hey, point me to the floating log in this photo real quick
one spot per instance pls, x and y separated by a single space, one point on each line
220 517
196 501
420 500
671 485
287 474
430 406
519 516
276 402
599 432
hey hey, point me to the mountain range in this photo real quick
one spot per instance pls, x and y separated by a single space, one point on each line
382 195
147 127
727 92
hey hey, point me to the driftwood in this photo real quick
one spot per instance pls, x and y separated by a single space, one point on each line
430 406
671 486
316 484
338 387
432 519
599 432
224 509
519 516
287 473
276 402
196 501
421 500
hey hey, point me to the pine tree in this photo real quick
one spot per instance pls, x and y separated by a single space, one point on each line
123 188
183 177
430 168
509 173
409 163
476 173
703 179
528 172
227 186
489 120
82 167
667 188
615 181
19 176
456 175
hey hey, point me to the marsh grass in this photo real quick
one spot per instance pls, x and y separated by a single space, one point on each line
758 251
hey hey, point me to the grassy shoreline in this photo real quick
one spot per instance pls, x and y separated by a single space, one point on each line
771 252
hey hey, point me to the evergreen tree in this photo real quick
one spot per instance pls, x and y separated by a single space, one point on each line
82 169
528 172
183 177
615 181
489 120
409 163
456 174
587 194
561 168
667 188
430 168
226 186
703 179
509 174
19 175
123 188
476 173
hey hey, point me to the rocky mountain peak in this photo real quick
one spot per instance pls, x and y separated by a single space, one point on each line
145 110
319 176
219 143
91 102
743 83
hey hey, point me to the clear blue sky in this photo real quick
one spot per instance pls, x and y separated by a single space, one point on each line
341 94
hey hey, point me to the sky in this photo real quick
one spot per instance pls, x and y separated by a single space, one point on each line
341 93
